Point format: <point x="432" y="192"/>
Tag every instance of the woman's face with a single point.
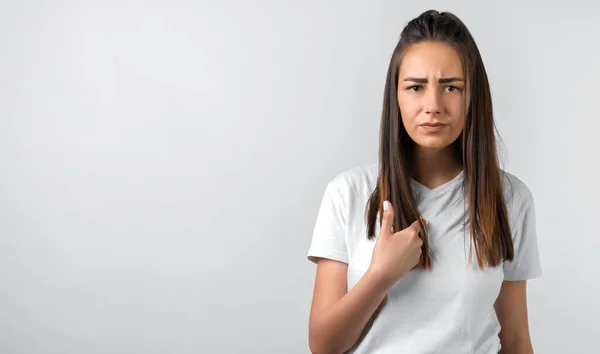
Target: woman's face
<point x="430" y="91"/>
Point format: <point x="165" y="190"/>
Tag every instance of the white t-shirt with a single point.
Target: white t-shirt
<point x="449" y="309"/>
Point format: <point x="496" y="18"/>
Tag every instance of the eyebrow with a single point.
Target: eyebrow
<point x="442" y="80"/>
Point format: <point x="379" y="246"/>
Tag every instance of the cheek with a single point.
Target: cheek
<point x="457" y="128"/>
<point x="458" y="124"/>
<point x="409" y="110"/>
<point x="454" y="105"/>
<point x="456" y="112"/>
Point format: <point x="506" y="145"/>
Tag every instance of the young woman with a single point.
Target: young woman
<point x="429" y="250"/>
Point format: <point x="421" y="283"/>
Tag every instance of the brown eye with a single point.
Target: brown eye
<point x="454" y="88"/>
<point x="414" y="87"/>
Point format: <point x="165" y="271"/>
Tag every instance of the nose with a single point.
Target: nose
<point x="432" y="103"/>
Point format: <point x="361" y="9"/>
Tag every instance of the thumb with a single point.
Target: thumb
<point x="388" y="217"/>
<point x="416" y="226"/>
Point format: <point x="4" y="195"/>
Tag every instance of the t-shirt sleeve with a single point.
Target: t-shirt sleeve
<point x="526" y="263"/>
<point x="328" y="239"/>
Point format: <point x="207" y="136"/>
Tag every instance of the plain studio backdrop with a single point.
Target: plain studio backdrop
<point x="163" y="162"/>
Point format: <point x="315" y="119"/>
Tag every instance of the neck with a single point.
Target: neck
<point x="434" y="167"/>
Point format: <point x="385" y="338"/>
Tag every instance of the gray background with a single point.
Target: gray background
<point x="163" y="162"/>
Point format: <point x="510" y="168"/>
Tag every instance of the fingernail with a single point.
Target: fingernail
<point x="385" y="205"/>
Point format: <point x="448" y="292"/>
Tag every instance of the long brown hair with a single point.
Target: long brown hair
<point x="476" y="146"/>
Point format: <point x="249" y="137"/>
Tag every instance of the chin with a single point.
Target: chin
<point x="433" y="143"/>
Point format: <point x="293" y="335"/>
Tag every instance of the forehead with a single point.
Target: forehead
<point x="430" y="59"/>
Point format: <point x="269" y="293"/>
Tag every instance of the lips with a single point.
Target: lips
<point x="433" y="124"/>
<point x="433" y="127"/>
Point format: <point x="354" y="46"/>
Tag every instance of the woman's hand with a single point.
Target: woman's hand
<point x="395" y="254"/>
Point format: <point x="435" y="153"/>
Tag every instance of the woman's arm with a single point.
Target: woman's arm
<point x="511" y="310"/>
<point x="338" y="317"/>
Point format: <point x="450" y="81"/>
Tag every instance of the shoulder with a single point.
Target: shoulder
<point x="358" y="179"/>
<point x="517" y="194"/>
<point x="352" y="187"/>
